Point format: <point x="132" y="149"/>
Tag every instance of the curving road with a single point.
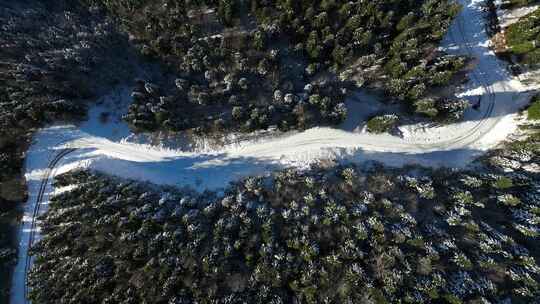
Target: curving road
<point x="452" y="145"/>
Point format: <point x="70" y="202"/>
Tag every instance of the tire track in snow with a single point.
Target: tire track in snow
<point x="35" y="214"/>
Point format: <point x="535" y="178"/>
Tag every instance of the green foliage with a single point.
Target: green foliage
<point x="533" y="112"/>
<point x="226" y="9"/>
<point x="381" y="124"/>
<point x="509" y="200"/>
<point x="523" y="38"/>
<point x="209" y="41"/>
<point x="427" y="107"/>
<point x="452" y="299"/>
<point x="503" y="183"/>
<point x="51" y="61"/>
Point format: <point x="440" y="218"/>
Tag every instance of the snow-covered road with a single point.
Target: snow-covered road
<point x="101" y="143"/>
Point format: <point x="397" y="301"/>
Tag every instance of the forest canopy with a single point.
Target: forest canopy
<point x="248" y="65"/>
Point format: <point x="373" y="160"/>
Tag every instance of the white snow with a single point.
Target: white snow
<point x="104" y="144"/>
<point x="508" y="17"/>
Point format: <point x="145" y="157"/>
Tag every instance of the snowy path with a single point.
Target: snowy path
<point x="100" y="144"/>
<point x="33" y="232"/>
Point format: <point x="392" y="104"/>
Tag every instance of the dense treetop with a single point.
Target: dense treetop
<point x="52" y="57"/>
<point x="523" y="39"/>
<point x="247" y="65"/>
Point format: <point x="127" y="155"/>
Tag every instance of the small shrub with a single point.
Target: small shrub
<point x="383" y="123"/>
<point x="533" y="112"/>
<point x="503" y="183"/>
